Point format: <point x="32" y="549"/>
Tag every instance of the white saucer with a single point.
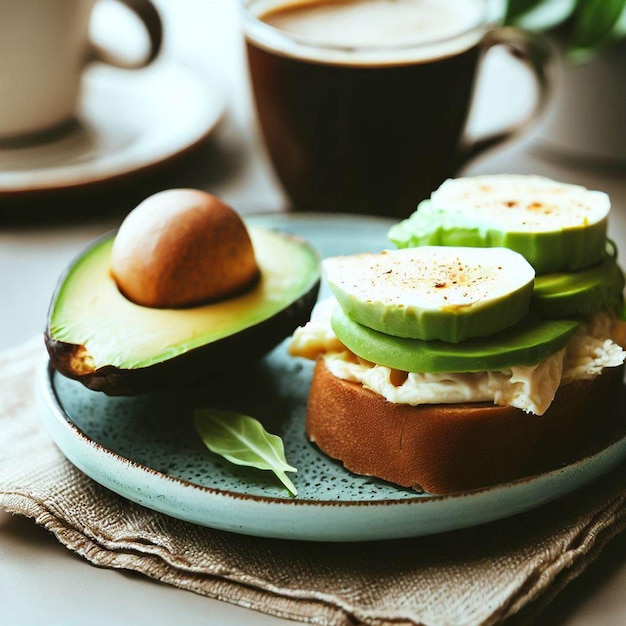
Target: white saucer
<point x="128" y="121"/>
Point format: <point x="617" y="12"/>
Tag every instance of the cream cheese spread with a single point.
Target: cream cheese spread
<point x="530" y="388"/>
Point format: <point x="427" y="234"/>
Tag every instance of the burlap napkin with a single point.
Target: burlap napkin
<point x="477" y="576"/>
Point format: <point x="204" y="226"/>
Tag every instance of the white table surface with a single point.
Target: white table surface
<point x="40" y="578"/>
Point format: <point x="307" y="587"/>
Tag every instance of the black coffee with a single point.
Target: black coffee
<point x="355" y="127"/>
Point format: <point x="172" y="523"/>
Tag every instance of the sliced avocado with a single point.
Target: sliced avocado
<point x="553" y="250"/>
<point x="528" y="343"/>
<point x="599" y="288"/>
<point x="433" y="292"/>
<point x="96" y="335"/>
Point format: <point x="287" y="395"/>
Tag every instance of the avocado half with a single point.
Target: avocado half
<point x="97" y="336"/>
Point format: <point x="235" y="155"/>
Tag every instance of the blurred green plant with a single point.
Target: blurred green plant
<point x="585" y="27"/>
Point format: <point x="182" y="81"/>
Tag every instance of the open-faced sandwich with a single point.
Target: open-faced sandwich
<point x="484" y="350"/>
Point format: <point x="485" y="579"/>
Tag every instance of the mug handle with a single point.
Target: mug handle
<point x="536" y="52"/>
<point x="149" y="16"/>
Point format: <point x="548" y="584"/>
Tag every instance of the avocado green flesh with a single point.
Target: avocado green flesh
<point x="454" y="324"/>
<point x="526" y="344"/>
<point x="598" y="288"/>
<point x="569" y="249"/>
<point x="89" y="309"/>
<point x="450" y="294"/>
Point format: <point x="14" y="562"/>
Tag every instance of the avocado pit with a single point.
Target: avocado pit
<point x="182" y="247"/>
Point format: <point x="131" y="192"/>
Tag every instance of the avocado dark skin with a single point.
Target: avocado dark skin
<point x="229" y="354"/>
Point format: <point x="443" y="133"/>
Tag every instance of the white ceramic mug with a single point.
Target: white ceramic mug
<point x="44" y="48"/>
<point x="585" y="121"/>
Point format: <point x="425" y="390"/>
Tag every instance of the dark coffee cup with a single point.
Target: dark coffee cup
<point x="368" y="115"/>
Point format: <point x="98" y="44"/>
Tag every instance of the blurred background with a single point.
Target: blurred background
<point x="188" y="120"/>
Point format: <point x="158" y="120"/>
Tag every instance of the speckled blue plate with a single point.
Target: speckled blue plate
<point x="145" y="448"/>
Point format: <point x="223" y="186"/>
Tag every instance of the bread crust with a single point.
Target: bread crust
<point x="451" y="447"/>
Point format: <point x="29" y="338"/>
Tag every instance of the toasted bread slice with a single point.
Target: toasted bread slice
<point x="447" y="448"/>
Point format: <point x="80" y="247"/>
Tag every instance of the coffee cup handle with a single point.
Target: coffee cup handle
<point x="536" y="52"/>
<point x="149" y="16"/>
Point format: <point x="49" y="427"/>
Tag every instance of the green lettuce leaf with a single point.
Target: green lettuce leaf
<point x="242" y="440"/>
<point x="595" y="20"/>
<point x="517" y="8"/>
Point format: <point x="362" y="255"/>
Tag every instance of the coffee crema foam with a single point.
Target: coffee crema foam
<point x="366" y="32"/>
